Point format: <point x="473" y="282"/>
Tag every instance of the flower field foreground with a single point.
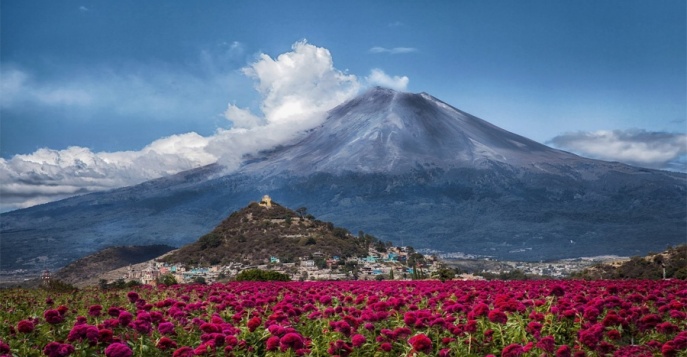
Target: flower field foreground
<point x="414" y="318"/>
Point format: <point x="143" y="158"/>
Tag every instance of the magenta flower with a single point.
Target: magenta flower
<point x="118" y="350"/>
<point x="563" y="351"/>
<point x="343" y="327"/>
<point x="4" y="348"/>
<point x="648" y="322"/>
<point x="143" y="327"/>
<point x="184" y="351"/>
<point x="421" y="343"/>
<point x="339" y="348"/>
<point x="547" y="344"/>
<point x="94" y="310"/>
<point x="512" y="350"/>
<point x="105" y="335"/>
<point x="591" y="336"/>
<point x="557" y="291"/>
<point x="254" y="323"/>
<point x="498" y="316"/>
<point x="132" y="296"/>
<point x="113" y="311"/>
<point x="445" y="352"/>
<point x="481" y="309"/>
<point x="125" y="318"/>
<point x="25" y="326"/>
<point x="53" y="317"/>
<point x="84" y="332"/>
<point x="56" y="349"/>
<point x="166" y="328"/>
<point x="358" y="340"/>
<point x="272" y="343"/>
<point x="325" y="300"/>
<point x="292" y="341"/>
<point x="166" y="343"/>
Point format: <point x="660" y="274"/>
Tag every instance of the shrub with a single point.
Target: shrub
<point x="261" y="275"/>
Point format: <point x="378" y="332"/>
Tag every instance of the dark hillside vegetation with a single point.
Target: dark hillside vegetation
<point x="673" y="260"/>
<point x="255" y="233"/>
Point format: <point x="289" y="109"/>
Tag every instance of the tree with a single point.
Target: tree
<point x="167" y="279"/>
<point x="320" y="263"/>
<point x="446" y="274"/>
<point x="132" y="283"/>
<point x="659" y="261"/>
<point x="200" y="280"/>
<point x="261" y="275"/>
<point x="302" y="211"/>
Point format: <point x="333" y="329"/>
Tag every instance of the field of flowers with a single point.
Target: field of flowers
<point x="416" y="318"/>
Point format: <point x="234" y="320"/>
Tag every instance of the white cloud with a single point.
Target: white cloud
<point x="299" y="83"/>
<point x="392" y="51"/>
<point x="377" y="77"/>
<point x="47" y="174"/>
<point x="296" y="88"/>
<point x="659" y="150"/>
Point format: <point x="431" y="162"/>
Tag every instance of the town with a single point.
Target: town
<point x="389" y="265"/>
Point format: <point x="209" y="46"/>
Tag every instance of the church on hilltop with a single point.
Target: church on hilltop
<point x="266" y="201"/>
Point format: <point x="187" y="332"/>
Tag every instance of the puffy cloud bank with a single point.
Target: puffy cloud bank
<point x="658" y="150"/>
<point x="47" y="175"/>
<point x="296" y="90"/>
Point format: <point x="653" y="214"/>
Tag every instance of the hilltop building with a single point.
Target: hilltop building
<point x="266" y="201"/>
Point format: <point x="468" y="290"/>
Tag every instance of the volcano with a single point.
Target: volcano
<point x="404" y="167"/>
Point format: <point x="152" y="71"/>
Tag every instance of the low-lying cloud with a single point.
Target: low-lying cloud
<point x="296" y="89"/>
<point x="657" y="150"/>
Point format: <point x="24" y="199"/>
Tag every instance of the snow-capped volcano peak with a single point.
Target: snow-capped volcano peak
<point x="384" y="130"/>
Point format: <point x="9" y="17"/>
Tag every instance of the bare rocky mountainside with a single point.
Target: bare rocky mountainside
<point x="407" y="168"/>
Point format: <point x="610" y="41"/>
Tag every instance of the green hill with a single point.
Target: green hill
<point x="673" y="260"/>
<point x="256" y="233"/>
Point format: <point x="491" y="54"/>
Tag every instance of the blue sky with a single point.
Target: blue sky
<point x="93" y="90"/>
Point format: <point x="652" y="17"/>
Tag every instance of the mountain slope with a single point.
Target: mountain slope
<point x="390" y="132"/>
<point x="92" y="266"/>
<point x="404" y="167"/>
